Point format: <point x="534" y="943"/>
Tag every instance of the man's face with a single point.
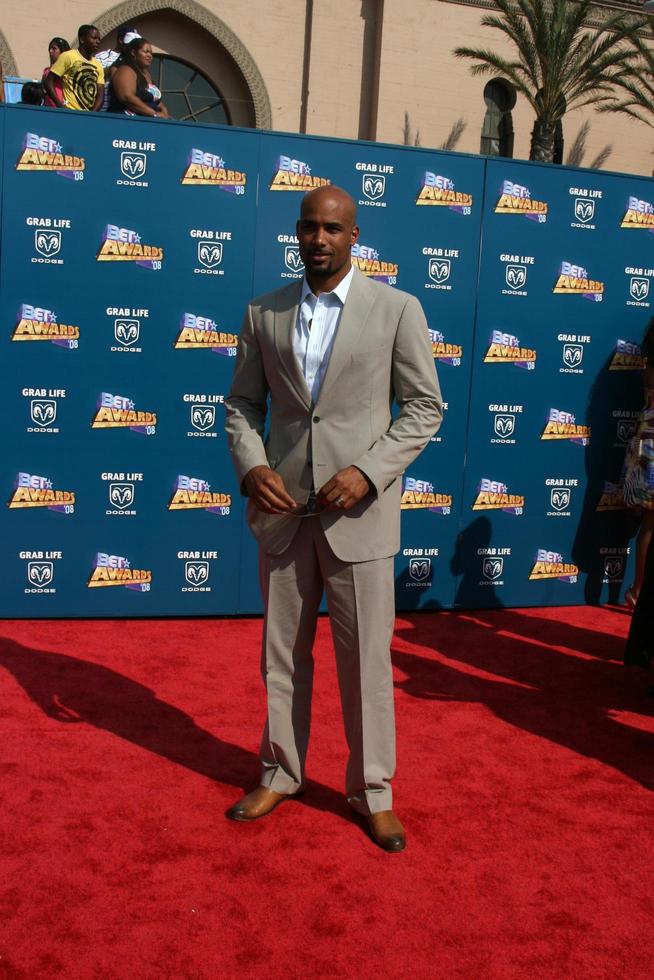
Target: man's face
<point x="326" y="233"/>
<point x="91" y="41"/>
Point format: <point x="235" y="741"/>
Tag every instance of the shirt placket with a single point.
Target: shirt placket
<point x="314" y="346"/>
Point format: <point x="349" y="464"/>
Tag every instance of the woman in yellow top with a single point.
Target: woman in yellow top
<point x="638" y="473"/>
<point x="82" y="75"/>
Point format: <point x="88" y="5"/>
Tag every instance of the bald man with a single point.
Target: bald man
<point x="323" y="361"/>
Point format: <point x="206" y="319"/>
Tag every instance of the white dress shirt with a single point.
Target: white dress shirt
<point x="315" y="330"/>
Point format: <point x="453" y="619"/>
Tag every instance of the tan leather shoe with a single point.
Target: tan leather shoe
<point x="387" y="831"/>
<point x="258" y="803"/>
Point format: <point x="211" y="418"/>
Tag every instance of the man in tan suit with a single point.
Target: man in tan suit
<point x="331" y="354"/>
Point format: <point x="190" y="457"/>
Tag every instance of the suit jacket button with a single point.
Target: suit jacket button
<point x="316" y="418"/>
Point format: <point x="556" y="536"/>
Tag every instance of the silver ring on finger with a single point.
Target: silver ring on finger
<point x="339" y="501"/>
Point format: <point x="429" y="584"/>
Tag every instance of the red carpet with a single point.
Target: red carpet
<point x="525" y="784"/>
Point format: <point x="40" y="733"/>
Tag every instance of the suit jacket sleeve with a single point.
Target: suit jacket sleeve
<point x="417" y="393"/>
<point x="246" y="403"/>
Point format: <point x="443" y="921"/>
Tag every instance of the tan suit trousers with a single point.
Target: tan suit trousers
<point x="360" y="601"/>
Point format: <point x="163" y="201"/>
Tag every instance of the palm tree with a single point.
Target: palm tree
<point x="636" y="96"/>
<point x="561" y="62"/>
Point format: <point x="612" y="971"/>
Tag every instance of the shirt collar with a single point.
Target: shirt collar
<point x="340" y="291"/>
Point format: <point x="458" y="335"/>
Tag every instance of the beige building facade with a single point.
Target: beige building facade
<point x="363" y="69"/>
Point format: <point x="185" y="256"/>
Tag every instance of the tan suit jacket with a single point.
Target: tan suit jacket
<point x="381" y="354"/>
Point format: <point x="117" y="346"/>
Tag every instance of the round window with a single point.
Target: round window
<point x="187" y="93"/>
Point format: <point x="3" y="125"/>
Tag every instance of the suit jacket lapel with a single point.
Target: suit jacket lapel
<point x="285" y="321"/>
<point x="353" y="318"/>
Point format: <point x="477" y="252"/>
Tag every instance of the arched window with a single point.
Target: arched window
<point x="497" y="131"/>
<point x="187" y="93"/>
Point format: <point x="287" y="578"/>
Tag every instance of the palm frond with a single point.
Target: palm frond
<point x="561" y="61"/>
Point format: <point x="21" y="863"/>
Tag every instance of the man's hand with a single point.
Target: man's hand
<point x="345" y="489"/>
<point x="266" y="490"/>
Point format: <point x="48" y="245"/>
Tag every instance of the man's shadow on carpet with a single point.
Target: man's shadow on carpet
<point x="585" y="700"/>
<point x="71" y="690"/>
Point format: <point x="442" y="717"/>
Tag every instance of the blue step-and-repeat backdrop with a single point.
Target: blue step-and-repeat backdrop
<point x="129" y="250"/>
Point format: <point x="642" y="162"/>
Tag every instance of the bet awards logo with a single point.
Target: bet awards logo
<point x="439" y="191"/>
<point x="627" y="356"/>
<point x="492" y="495"/>
<point x="584" y="207"/>
<point x="550" y="565"/>
<point x="197" y="569"/>
<point x="209" y="170"/>
<point x="36" y="323"/>
<point x="111" y="570"/>
<point x="133" y="162"/>
<point x="192" y="493"/>
<point x="119" y="412"/>
<point x="121" y="493"/>
<point x="444" y="352"/>
<point x="422" y="495"/>
<point x="516" y="199"/>
<point x="295" y="175"/>
<point x="125" y="245"/>
<point x="202" y="333"/>
<point x="41" y="153"/>
<point x="639" y="214"/>
<point x="611" y="497"/>
<point x="505" y="348"/>
<point x="48" y="239"/>
<point x="32" y="491"/>
<point x="573" y="280"/>
<point x="40" y="571"/>
<point x="373" y="183"/>
<point x="563" y="425"/>
<point x="367" y="261"/>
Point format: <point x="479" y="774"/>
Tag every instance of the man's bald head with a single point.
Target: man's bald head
<point x="333" y="197"/>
